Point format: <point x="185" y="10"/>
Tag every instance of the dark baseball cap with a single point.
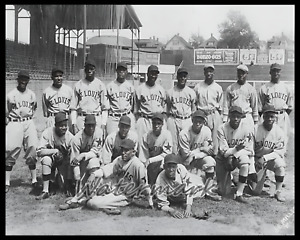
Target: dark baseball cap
<point x="125" y="120"/>
<point x="153" y="68"/>
<point x="121" y="65"/>
<point x="199" y="113"/>
<point x="158" y="115"/>
<point x="55" y="70"/>
<point x="23" y="74"/>
<point x="90" y="119"/>
<point x="172" y="158"/>
<point x="209" y="65"/>
<point x="182" y="70"/>
<point x="127" y="144"/>
<point x="236" y="109"/>
<point x="60" y="117"/>
<point x="275" y="66"/>
<point x="90" y="62"/>
<point x="269" y="108"/>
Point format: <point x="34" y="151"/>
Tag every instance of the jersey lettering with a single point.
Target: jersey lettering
<point x="90" y="93"/>
<point x="126" y="95"/>
<point x="279" y="95"/>
<point x="153" y="97"/>
<point x="60" y="100"/>
<point x="24" y="104"/>
<point x="235" y="142"/>
<point x="269" y="144"/>
<point x="181" y="100"/>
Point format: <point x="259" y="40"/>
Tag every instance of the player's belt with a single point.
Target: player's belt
<point x="54" y="114"/>
<point x="180" y="117"/>
<point x="19" y="119"/>
<point x="119" y="114"/>
<point x="84" y="114"/>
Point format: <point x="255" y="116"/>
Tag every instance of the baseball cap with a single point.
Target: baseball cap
<point x="199" y="113"/>
<point x="23" y="74"/>
<point x="243" y="67"/>
<point x="153" y="68"/>
<point x="275" y="66"/>
<point x="125" y="120"/>
<point x="60" y="117"/>
<point x="172" y="158"/>
<point x="122" y="64"/>
<point x="127" y="144"/>
<point x="269" y="108"/>
<point x="236" y="109"/>
<point x="158" y="115"/>
<point x="209" y="66"/>
<point x="90" y="119"/>
<point x="90" y="62"/>
<point x="54" y="70"/>
<point x="182" y="70"/>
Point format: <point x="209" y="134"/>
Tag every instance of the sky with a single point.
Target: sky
<point x="164" y="21"/>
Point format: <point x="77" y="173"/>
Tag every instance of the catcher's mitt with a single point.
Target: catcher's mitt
<point x="58" y="158"/>
<point x="231" y="163"/>
<point x="201" y="216"/>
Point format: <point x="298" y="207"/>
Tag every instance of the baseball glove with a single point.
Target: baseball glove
<point x="58" y="158"/>
<point x="201" y="216"/>
<point x="231" y="163"/>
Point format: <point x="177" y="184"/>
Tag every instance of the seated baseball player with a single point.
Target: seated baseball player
<point x="111" y="147"/>
<point x="114" y="184"/>
<point x="54" y="151"/>
<point x="270" y="148"/>
<point x="175" y="184"/>
<point x="86" y="151"/>
<point x="196" y="148"/>
<point x="235" y="150"/>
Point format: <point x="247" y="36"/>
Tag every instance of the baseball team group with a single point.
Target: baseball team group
<point x="108" y="145"/>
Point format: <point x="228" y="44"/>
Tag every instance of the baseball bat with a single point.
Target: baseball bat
<point x="261" y="176"/>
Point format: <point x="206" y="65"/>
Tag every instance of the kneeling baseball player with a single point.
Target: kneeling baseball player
<point x="114" y="184"/>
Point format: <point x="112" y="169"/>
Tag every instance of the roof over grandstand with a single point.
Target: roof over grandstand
<point x="97" y="16"/>
<point x="112" y="41"/>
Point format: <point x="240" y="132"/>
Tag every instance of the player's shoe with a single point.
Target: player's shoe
<point x="34" y="185"/>
<point x="6" y="188"/>
<point x="240" y="199"/>
<point x="69" y="205"/>
<point x="213" y="197"/>
<point x="278" y="197"/>
<point x="111" y="211"/>
<point x="43" y="195"/>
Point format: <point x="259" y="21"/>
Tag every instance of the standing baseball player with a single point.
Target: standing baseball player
<point x="150" y="98"/>
<point x="54" y="150"/>
<point x="89" y="97"/>
<point x="278" y="94"/>
<point x="270" y="148"/>
<point x="20" y="129"/>
<point x="243" y="95"/>
<point x="120" y="94"/>
<point x="155" y="145"/>
<point x="195" y="148"/>
<point x="112" y="143"/>
<point x="209" y="95"/>
<point x="56" y="98"/>
<point x="86" y="150"/>
<point x="235" y="150"/>
<point x="180" y="106"/>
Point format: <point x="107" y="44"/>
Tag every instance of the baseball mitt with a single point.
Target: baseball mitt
<point x="58" y="158"/>
<point x="201" y="216"/>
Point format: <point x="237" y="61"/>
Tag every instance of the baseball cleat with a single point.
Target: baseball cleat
<point x="34" y="185"/>
<point x="279" y="197"/>
<point x="240" y="199"/>
<point x="6" y="188"/>
<point x="67" y="206"/>
<point x="213" y="197"/>
<point x="43" y="195"/>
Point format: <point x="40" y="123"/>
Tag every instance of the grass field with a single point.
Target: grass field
<point x="262" y="216"/>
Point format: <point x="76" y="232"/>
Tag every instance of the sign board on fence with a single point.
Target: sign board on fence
<point x="276" y="56"/>
<point x="215" y="56"/>
<point x="290" y="56"/>
<point x="248" y="55"/>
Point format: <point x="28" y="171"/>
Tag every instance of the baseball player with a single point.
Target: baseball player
<point x="112" y="143"/>
<point x="155" y="145"/>
<point x="56" y="98"/>
<point x="175" y="185"/>
<point x="180" y="106"/>
<point x="54" y="150"/>
<point x="279" y="95"/>
<point x="243" y="95"/>
<point x="114" y="184"/>
<point x="150" y="98"/>
<point x="209" y="99"/>
<point x="236" y="150"/>
<point x="270" y="147"/>
<point x="89" y="97"/>
<point x="86" y="151"/>
<point x="120" y="94"/>
<point x="195" y="148"/>
<point x="20" y="129"/>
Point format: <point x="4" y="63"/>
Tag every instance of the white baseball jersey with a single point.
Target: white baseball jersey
<point x="111" y="147"/>
<point x="269" y="141"/>
<point x="89" y="97"/>
<point x="209" y="97"/>
<point x="85" y="143"/>
<point x="155" y="146"/>
<point x="55" y="99"/>
<point x="243" y="96"/>
<point x="189" y="140"/>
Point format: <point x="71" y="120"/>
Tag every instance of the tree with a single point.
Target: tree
<point x="236" y="32"/>
<point x="195" y="40"/>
